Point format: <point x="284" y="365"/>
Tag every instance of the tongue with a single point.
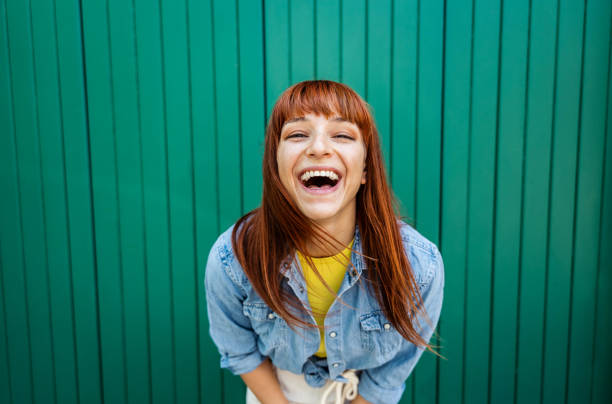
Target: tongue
<point x="326" y="186"/>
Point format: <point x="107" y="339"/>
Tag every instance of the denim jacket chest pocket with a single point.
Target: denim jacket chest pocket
<point x="378" y="334"/>
<point x="270" y="328"/>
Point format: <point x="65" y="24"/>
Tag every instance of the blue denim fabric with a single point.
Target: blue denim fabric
<point x="246" y="331"/>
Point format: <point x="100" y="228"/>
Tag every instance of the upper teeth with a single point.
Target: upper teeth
<point x="309" y="174"/>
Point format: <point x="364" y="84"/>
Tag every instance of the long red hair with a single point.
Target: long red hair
<point x="263" y="238"/>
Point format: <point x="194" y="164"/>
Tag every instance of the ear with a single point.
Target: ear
<point x="363" y="177"/>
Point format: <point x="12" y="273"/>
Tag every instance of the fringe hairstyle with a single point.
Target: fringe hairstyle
<point x="263" y="238"/>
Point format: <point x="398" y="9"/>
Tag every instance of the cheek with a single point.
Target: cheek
<point x="358" y="163"/>
<point x="283" y="162"/>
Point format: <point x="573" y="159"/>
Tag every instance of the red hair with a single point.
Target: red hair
<point x="263" y="238"/>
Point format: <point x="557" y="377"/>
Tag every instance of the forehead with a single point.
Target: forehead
<point x="311" y="117"/>
<point x="305" y="118"/>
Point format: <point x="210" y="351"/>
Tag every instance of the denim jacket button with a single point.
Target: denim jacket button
<point x="333" y="334"/>
<point x="271" y="316"/>
<point x="387" y="326"/>
<point x="335" y="365"/>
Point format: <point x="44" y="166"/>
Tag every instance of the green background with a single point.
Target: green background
<point x="132" y="135"/>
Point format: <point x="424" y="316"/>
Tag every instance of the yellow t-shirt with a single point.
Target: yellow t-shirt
<point x="332" y="269"/>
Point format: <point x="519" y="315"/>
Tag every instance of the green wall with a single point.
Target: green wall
<point x="131" y="135"/>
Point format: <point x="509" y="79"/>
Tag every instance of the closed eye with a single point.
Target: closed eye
<point x="342" y="135"/>
<point x="295" y="135"/>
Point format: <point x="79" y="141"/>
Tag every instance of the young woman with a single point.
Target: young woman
<point x="322" y="295"/>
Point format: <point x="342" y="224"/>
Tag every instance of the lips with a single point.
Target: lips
<point x="320" y="180"/>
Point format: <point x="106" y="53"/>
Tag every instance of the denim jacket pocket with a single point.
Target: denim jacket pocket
<point x="269" y="327"/>
<point x="378" y="334"/>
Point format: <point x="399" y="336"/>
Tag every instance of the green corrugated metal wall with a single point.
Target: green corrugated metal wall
<point x="131" y="136"/>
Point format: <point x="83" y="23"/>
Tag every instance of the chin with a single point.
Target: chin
<point x="319" y="214"/>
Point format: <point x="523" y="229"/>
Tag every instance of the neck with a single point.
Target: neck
<point x="342" y="230"/>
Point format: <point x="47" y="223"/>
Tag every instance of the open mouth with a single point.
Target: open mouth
<point x="319" y="181"/>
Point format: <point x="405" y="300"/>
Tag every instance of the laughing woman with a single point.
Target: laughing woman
<point x="322" y="294"/>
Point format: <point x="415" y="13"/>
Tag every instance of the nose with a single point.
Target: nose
<point x="319" y="146"/>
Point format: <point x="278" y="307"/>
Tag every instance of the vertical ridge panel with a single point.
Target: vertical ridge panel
<point x="378" y="90"/>
<point x="563" y="174"/>
<point x="512" y="98"/>
<point x="327" y="40"/>
<point x="429" y="118"/>
<point x="5" y="374"/>
<point x="454" y="193"/>
<point x="228" y="140"/>
<point x="79" y="204"/>
<point x="176" y="58"/>
<point x="353" y="44"/>
<point x="277" y="49"/>
<point x="251" y="101"/>
<point x="590" y="171"/>
<point x="602" y="352"/>
<point x="205" y="178"/>
<point x="487" y="19"/>
<point x="14" y="292"/>
<point x="54" y="202"/>
<point x="130" y="198"/>
<point x="535" y="206"/>
<point x="302" y="41"/>
<point x="148" y="26"/>
<point x="105" y="198"/>
<point x="226" y="48"/>
<point x="403" y="116"/>
<point x="27" y="143"/>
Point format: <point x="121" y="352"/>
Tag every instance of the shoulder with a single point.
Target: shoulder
<point x="222" y="259"/>
<point x="424" y="256"/>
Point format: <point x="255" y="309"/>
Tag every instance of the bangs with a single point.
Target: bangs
<point x="322" y="97"/>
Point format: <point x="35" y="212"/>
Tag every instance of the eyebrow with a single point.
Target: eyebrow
<point x="302" y="118"/>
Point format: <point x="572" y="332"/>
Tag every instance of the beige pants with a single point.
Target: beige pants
<point x="298" y="391"/>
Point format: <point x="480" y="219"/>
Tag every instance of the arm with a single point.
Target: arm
<point x="386" y="383"/>
<point x="231" y="330"/>
<point x="263" y="383"/>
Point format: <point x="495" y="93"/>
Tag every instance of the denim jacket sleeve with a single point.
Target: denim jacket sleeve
<point x="230" y="329"/>
<point x="386" y="383"/>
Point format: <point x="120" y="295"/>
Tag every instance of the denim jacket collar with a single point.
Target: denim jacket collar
<point x="290" y="267"/>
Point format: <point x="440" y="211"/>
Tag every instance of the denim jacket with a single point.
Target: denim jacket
<point x="358" y="336"/>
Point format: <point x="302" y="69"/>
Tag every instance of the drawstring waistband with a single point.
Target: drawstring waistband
<point x="343" y="391"/>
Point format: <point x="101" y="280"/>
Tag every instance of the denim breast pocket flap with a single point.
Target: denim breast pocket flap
<point x="378" y="334"/>
<point x="270" y="328"/>
<point x="370" y="322"/>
